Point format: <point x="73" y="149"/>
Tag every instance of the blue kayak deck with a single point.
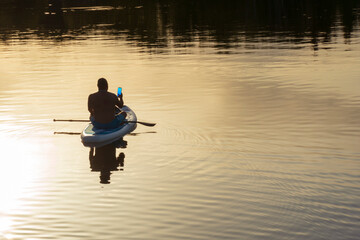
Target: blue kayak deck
<point x="90" y="129"/>
<point x="92" y="137"/>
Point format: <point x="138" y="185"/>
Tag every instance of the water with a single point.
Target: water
<point x="257" y="112"/>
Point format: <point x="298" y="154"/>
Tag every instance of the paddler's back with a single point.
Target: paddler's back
<point x="102" y="106"/>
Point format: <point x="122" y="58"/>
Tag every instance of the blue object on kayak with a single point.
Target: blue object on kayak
<point x="118" y="120"/>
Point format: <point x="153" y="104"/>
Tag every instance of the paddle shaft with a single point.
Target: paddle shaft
<point x="70" y="120"/>
<point x="78" y="120"/>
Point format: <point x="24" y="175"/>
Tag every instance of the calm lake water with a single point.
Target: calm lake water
<point x="257" y="105"/>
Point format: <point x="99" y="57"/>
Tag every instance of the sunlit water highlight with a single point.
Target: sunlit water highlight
<point x="260" y="142"/>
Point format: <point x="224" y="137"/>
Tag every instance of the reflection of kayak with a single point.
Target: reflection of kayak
<point x="92" y="137"/>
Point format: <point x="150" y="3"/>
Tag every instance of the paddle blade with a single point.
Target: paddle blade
<point x="144" y="123"/>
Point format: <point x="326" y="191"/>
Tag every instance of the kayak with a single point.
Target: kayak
<point x="93" y="137"/>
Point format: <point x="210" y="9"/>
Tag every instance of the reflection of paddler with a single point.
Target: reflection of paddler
<point x="104" y="160"/>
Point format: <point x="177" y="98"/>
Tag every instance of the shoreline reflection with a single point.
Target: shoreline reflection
<point x="166" y="24"/>
<point x="104" y="160"/>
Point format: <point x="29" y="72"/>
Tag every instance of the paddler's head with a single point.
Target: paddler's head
<point x="102" y="84"/>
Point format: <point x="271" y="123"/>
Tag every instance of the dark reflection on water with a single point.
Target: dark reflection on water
<point x="104" y="160"/>
<point x="167" y="23"/>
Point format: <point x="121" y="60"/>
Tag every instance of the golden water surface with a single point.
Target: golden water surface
<point x="257" y="133"/>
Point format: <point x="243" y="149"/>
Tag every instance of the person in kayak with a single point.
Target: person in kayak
<point x="103" y="105"/>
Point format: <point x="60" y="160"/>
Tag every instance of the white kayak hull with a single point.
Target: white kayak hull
<point x="91" y="137"/>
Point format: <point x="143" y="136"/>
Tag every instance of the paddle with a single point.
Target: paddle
<point x="77" y="120"/>
<point x="77" y="133"/>
<point x="68" y="133"/>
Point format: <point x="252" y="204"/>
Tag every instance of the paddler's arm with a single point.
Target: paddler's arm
<point x="120" y="101"/>
<point x="90" y="105"/>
